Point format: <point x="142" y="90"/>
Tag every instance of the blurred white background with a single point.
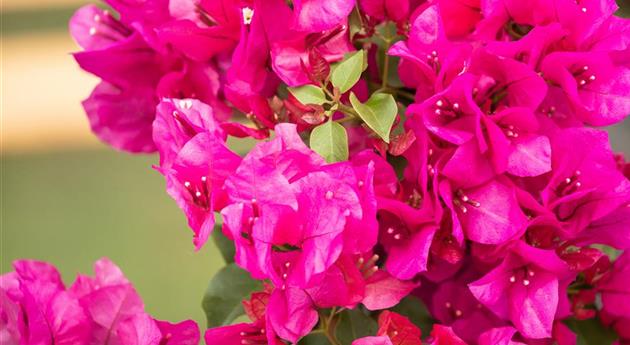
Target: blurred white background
<point x="41" y="85"/>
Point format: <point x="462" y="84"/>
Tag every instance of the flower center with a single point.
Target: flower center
<point x="462" y="201"/>
<point x="522" y="276"/>
<point x="367" y="268"/>
<point x="248" y="15"/>
<point x="583" y="76"/>
<point x="184" y="125"/>
<point x="104" y="25"/>
<point x="455" y="312"/>
<point x="393" y="231"/>
<point x="570" y="184"/>
<point x="550" y="112"/>
<point x="199" y="192"/>
<point x="256" y="337"/>
<point x="415" y="198"/>
<point x="541" y="236"/>
<point x="247" y="228"/>
<point x="510" y="131"/>
<point x="444" y="107"/>
<point x="284" y="269"/>
<point x="433" y="60"/>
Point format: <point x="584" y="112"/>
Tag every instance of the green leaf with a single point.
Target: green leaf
<point x="399" y="163"/>
<point x="330" y="140"/>
<point x="387" y="31"/>
<point x="354" y="23"/>
<point x="227" y="289"/>
<point x="416" y="311"/>
<point x="348" y="72"/>
<point x="308" y="94"/>
<point x="354" y="324"/>
<point x="225" y="246"/>
<point x="314" y="339"/>
<point x="591" y="332"/>
<point x="379" y="112"/>
<point x="612" y="253"/>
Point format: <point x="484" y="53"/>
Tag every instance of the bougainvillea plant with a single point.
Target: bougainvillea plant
<point x="425" y="172"/>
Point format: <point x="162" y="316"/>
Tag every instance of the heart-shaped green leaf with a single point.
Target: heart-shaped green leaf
<point x="379" y="112"/>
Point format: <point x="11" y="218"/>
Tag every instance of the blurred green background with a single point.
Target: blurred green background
<point x="68" y="199"/>
<point x="73" y="207"/>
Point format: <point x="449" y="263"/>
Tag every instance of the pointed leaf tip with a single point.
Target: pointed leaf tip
<point x="347" y="73"/>
<point x="330" y="140"/>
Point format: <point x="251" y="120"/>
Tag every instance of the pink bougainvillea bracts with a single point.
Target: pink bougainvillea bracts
<point x="37" y="308"/>
<point x="433" y="165"/>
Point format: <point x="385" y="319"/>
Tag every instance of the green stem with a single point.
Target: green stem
<point x="345" y="119"/>
<point x="356" y="5"/>
<point x="385" y="67"/>
<point x="331" y="316"/>
<point x="329" y="331"/>
<point x="394" y="91"/>
<point x="331" y="339"/>
<point x="388" y="43"/>
<point x="327" y="92"/>
<point x="347" y="110"/>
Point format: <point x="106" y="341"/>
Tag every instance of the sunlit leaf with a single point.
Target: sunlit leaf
<point x="379" y="112"/>
<point x="308" y="94"/>
<point x="348" y="72"/>
<point x="330" y="140"/>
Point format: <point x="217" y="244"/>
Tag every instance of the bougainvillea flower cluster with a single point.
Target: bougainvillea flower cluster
<point x="424" y="172"/>
<point x="37" y="308"/>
